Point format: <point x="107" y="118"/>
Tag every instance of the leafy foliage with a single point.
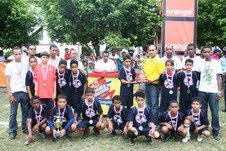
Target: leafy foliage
<point x="212" y="22"/>
<point x="17" y="21"/>
<point x="131" y="21"/>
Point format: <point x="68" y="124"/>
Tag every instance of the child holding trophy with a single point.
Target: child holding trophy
<point x="127" y="76"/>
<point x="61" y="120"/>
<point x="91" y="113"/>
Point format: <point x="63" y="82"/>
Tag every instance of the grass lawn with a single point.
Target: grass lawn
<point x="101" y="143"/>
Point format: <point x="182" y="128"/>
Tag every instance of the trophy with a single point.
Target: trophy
<point x="141" y="78"/>
<point x="57" y="124"/>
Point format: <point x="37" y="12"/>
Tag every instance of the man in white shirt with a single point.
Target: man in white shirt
<point x="31" y="51"/>
<point x="191" y="55"/>
<point x="210" y="88"/>
<point x="53" y="59"/>
<point x="169" y="56"/>
<point x="73" y="56"/>
<point x="15" y="82"/>
<point x="105" y="64"/>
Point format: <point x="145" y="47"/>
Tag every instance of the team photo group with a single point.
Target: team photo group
<point x="171" y="103"/>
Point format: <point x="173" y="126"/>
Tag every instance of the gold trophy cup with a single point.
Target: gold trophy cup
<point x="57" y="124"/>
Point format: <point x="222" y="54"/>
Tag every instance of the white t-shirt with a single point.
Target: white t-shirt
<point x="17" y="73"/>
<point x="177" y="62"/>
<point x="196" y="62"/>
<point x="109" y="65"/>
<point x="2" y="58"/>
<point x="80" y="65"/>
<point x="208" y="78"/>
<point x="54" y="62"/>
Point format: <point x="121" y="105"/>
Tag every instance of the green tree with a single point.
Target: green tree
<point x="17" y="22"/>
<point x="136" y="22"/>
<point x="212" y="23"/>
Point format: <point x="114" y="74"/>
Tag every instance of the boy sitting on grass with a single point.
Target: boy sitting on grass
<point x="116" y="117"/>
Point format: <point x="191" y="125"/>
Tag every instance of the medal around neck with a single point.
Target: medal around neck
<point x="90" y="122"/>
<point x="141" y="128"/>
<point x="171" y="92"/>
<point x="57" y="124"/>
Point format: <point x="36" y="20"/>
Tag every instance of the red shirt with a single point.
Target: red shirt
<point x="66" y="56"/>
<point x="45" y="78"/>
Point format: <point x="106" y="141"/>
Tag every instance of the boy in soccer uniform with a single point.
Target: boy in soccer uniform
<point x="91" y="113"/>
<point x="141" y="120"/>
<point x="196" y="121"/>
<point x="168" y="82"/>
<point x="127" y="77"/>
<point x="117" y="117"/>
<point x="77" y="85"/>
<point x="172" y="122"/>
<point x="30" y="84"/>
<point x="62" y="78"/>
<point x="66" y="118"/>
<point x="45" y="82"/>
<point x="37" y="118"/>
<point x="188" y="82"/>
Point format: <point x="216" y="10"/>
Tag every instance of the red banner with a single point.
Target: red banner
<point x="179" y="23"/>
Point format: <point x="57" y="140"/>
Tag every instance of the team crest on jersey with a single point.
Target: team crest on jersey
<point x="90" y="112"/>
<point x="168" y="84"/>
<point x="117" y="119"/>
<point x="141" y="118"/>
<point x="188" y="81"/>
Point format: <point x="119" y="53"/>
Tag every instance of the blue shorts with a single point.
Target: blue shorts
<point x="86" y="124"/>
<point x="145" y="131"/>
<point x="119" y="127"/>
<point x="48" y="103"/>
<point x="192" y="128"/>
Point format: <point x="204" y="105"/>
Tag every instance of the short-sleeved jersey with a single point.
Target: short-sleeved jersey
<point x="200" y="119"/>
<point x="126" y="89"/>
<point x="117" y="117"/>
<point x="62" y="81"/>
<point x="30" y="82"/>
<point x="168" y="84"/>
<point x="90" y="111"/>
<point x="173" y="121"/>
<point x="65" y="114"/>
<point x="140" y="118"/>
<point x="188" y="81"/>
<point x="76" y="84"/>
<point x="38" y="116"/>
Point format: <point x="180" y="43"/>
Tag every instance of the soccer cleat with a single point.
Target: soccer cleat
<point x="12" y="136"/>
<point x="166" y="138"/>
<point x="42" y="135"/>
<point x="186" y="139"/>
<point x="69" y="134"/>
<point x="85" y="134"/>
<point x="132" y="142"/>
<point x="216" y="137"/>
<point x="200" y="138"/>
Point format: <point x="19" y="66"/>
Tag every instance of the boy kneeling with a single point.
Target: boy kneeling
<point x="37" y="117"/>
<point x="196" y="121"/>
<point x="141" y="121"/>
<point x="91" y="112"/>
<point x="116" y="117"/>
<point x="172" y="122"/>
<point x="64" y="114"/>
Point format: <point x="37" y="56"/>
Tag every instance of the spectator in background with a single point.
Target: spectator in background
<point x="2" y="58"/>
<point x="216" y="54"/>
<point x="92" y="58"/>
<point x="53" y="59"/>
<point x="191" y="55"/>
<point x="169" y="56"/>
<point x="113" y="55"/>
<point x="82" y="57"/>
<point x="223" y="64"/>
<point x="105" y="64"/>
<point x="73" y="56"/>
<point x="31" y="51"/>
<point x="66" y="54"/>
<point x="58" y="53"/>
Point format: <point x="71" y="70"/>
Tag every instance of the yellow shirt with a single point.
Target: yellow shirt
<point x="153" y="68"/>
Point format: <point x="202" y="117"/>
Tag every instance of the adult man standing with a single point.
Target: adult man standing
<point x="169" y="56"/>
<point x="105" y="64"/>
<point x="191" y="55"/>
<point x="223" y="64"/>
<point x="31" y="51"/>
<point x="210" y="89"/>
<point x="53" y="59"/>
<point x="153" y="68"/>
<point x="15" y="82"/>
<point x="73" y="56"/>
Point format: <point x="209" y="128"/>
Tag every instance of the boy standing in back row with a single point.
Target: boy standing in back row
<point x="45" y="82"/>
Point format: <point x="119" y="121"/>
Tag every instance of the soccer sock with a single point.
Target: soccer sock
<point x="188" y="130"/>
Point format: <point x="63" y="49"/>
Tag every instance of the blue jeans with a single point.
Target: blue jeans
<point x="211" y="98"/>
<point x="152" y="99"/>
<point x="22" y="98"/>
